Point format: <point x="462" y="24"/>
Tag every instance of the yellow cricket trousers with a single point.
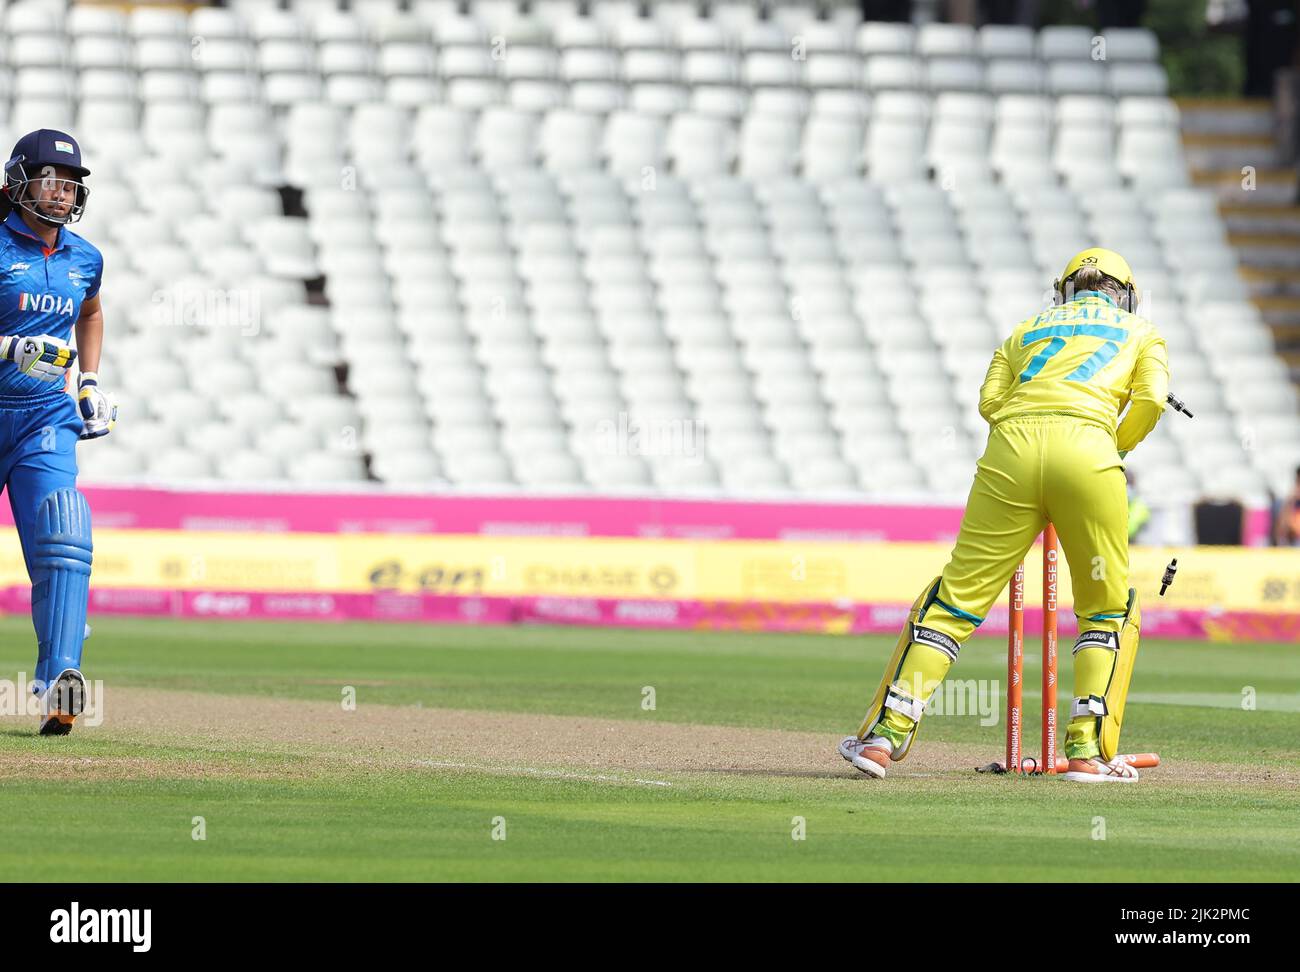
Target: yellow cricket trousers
<point x="1039" y="469"/>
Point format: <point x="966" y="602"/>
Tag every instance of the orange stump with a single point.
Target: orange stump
<point x="1048" y="761"/>
<point x="1015" y="668"/>
<point x="1050" y="555"/>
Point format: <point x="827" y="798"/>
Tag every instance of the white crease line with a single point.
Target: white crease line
<point x="534" y="771"/>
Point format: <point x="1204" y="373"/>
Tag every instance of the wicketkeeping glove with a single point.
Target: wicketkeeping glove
<point x="43" y="357"/>
<point x="98" y="410"/>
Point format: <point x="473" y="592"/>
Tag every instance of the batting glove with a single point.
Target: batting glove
<point x="98" y="410"/>
<point x="43" y="357"/>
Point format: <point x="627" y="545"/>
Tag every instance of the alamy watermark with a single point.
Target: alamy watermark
<point x="626" y="435"/>
<point x="961" y="697"/>
<point x="179" y="306"/>
<point x="23" y="698"/>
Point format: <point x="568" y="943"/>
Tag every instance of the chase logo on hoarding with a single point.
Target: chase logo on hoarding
<point x="662" y="578"/>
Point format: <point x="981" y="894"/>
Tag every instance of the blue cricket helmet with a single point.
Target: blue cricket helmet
<point x="32" y="161"/>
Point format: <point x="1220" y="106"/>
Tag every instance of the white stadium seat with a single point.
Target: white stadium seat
<point x="886" y="38"/>
<point x="1066" y="43"/>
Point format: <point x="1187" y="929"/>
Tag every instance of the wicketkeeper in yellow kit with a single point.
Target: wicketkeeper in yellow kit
<point x="1052" y="397"/>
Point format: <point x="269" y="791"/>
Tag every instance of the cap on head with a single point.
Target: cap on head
<point x="1107" y="261"/>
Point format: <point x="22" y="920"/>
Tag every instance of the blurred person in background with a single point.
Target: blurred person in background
<point x="1271" y="38"/>
<point x="1139" y="514"/>
<point x="1286" y="530"/>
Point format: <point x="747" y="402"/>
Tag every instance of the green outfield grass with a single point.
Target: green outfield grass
<point x="280" y="810"/>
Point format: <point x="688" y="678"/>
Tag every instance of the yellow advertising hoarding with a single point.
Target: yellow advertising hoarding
<point x="1226" y="578"/>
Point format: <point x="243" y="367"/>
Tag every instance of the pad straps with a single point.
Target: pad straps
<point x="1096" y="639"/>
<point x="1093" y="705"/>
<point x="922" y="635"/>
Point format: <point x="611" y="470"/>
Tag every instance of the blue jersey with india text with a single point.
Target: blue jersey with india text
<point x="41" y="292"/>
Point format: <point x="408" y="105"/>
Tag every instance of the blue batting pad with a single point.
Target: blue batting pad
<point x="60" y="581"/>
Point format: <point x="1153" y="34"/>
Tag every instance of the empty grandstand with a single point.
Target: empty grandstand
<point x="457" y="246"/>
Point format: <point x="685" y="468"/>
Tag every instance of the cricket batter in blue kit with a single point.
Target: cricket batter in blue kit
<point x="49" y="289"/>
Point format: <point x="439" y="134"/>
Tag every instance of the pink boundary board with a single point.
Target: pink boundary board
<point x="666" y="614"/>
<point x="145" y="508"/>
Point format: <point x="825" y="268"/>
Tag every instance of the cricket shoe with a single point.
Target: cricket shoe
<point x="62" y="702"/>
<point x="1097" y="770"/>
<point x="871" y="755"/>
